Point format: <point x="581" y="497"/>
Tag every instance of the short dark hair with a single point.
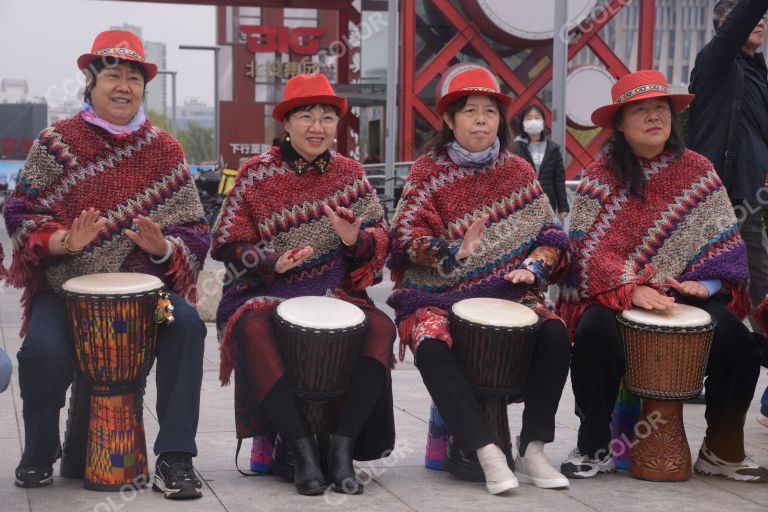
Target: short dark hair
<point x="625" y="165"/>
<point x="721" y="10"/>
<point x="521" y="117"/>
<point x="98" y="65"/>
<point x="444" y="135"/>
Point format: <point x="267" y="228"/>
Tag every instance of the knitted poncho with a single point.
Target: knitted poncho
<point x="74" y="166"/>
<point x="440" y="201"/>
<point x="272" y="209"/>
<point x="685" y="228"/>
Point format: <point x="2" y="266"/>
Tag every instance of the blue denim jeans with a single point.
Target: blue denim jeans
<point x="6" y="367"/>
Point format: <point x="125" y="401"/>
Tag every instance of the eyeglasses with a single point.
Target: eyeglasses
<point x="307" y="120"/>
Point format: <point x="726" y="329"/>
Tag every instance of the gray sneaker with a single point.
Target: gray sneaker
<point x="578" y="465"/>
<point x="743" y="471"/>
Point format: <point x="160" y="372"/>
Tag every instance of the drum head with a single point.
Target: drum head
<point x="115" y="283"/>
<point x="320" y="313"/>
<point x="495" y="312"/>
<point x="680" y="316"/>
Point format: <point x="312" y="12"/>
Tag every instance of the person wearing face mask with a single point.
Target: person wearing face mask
<point x="106" y="191"/>
<point x="313" y="225"/>
<point x="473" y="221"/>
<point x="533" y="144"/>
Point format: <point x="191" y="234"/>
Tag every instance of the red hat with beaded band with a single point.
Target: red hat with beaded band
<point x="472" y="81"/>
<point x="637" y="86"/>
<point x="118" y="44"/>
<point x="308" y="89"/>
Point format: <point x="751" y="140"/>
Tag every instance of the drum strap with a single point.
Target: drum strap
<point x="237" y="456"/>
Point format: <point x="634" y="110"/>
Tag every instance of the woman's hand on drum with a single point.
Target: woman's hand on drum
<point x="292" y="258"/>
<point x="84" y="229"/>
<point x="473" y="237"/>
<point x="149" y="237"/>
<point x="690" y="288"/>
<point x="344" y="222"/>
<point x="520" y="276"/>
<point x="649" y="298"/>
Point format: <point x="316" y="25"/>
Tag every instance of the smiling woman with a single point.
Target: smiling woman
<point x="115" y="89"/>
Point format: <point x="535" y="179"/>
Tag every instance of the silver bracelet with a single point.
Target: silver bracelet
<point x="168" y="252"/>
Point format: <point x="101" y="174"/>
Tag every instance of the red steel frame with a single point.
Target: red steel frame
<point x="413" y="81"/>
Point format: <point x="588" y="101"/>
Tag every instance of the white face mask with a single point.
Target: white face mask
<point x="533" y="126"/>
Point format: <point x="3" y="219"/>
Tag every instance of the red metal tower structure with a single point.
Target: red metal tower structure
<point x="469" y="37"/>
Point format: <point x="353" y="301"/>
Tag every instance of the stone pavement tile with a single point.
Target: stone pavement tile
<point x="11" y="455"/>
<point x="756" y="493"/>
<point x="427" y="490"/>
<point x="12" y="498"/>
<point x="9" y="422"/>
<point x="268" y="493"/>
<point x="621" y="491"/>
<point x="216" y="452"/>
<point x="68" y="495"/>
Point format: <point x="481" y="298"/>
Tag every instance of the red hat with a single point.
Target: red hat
<point x="637" y="86"/>
<point x="308" y="89"/>
<point x="119" y="44"/>
<point x="472" y="81"/>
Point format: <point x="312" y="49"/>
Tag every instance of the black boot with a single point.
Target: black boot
<point x="340" y="464"/>
<point x="308" y="477"/>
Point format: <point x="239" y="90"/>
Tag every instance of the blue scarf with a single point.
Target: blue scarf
<point x="464" y="158"/>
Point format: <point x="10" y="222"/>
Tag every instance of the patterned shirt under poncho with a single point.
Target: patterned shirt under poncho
<point x="683" y="227"/>
<point x="74" y="166"/>
<point x="439" y="203"/>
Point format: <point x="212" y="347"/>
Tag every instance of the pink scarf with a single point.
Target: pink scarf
<point x="115" y="129"/>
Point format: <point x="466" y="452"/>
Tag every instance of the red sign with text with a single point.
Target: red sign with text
<point x="265" y="39"/>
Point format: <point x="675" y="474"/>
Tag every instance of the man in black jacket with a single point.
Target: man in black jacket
<point x="730" y="81"/>
<point x="730" y="58"/>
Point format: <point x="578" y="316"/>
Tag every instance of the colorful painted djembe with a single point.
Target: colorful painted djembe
<point x="666" y="356"/>
<point x="319" y="339"/>
<point x="493" y="340"/>
<point x="113" y="322"/>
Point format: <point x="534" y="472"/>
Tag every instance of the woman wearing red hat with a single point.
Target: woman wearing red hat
<point x="105" y="191"/>
<point x="313" y="225"/>
<point x="473" y="221"/>
<point x="651" y="225"/>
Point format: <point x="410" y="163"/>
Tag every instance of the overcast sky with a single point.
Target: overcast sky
<point x="40" y="41"/>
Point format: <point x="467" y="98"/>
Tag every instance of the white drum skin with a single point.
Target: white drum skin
<point x="495" y="312"/>
<point x="112" y="283"/>
<point x="681" y="316"/>
<point x="315" y="312"/>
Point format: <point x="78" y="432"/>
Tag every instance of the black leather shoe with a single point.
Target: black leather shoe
<point x="465" y="465"/>
<point x="340" y="462"/>
<point x="308" y="477"/>
<point x="282" y="464"/>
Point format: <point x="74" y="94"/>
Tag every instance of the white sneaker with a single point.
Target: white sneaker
<point x="578" y="465"/>
<point x="498" y="476"/>
<point x="743" y="471"/>
<point x="533" y="468"/>
<point x="762" y="419"/>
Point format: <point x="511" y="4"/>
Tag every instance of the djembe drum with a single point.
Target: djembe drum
<point x="319" y="339"/>
<point x="666" y="356"/>
<point x="113" y="325"/>
<point x="494" y="340"/>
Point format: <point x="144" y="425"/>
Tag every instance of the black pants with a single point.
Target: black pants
<point x="47" y="366"/>
<point x="458" y="405"/>
<point x="597" y="366"/>
<point x="368" y="383"/>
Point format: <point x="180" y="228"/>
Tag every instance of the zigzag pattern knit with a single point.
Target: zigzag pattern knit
<point x="440" y="202"/>
<point x="272" y="209"/>
<point x="685" y="228"/>
<point x="74" y="166"/>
